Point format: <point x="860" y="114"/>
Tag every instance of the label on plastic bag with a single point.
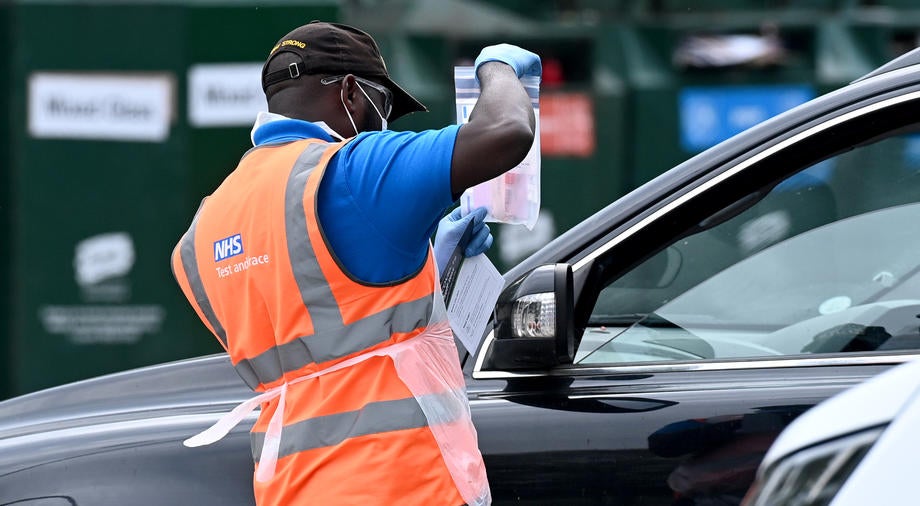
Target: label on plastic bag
<point x="512" y="197"/>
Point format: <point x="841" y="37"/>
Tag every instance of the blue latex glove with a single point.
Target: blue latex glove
<point x="450" y="233"/>
<point x="521" y="60"/>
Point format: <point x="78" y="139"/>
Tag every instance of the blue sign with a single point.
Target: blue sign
<point x="912" y="153"/>
<point x="709" y="115"/>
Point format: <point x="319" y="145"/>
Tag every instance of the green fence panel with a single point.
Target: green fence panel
<point x="94" y="217"/>
<point x="5" y="196"/>
<point x="108" y="171"/>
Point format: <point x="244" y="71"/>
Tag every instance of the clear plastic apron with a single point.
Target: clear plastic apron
<point x="428" y="366"/>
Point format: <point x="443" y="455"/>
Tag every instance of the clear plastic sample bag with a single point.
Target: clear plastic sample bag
<point x="512" y="197"/>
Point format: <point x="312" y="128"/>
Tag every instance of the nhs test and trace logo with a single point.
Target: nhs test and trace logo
<point x="228" y="247"/>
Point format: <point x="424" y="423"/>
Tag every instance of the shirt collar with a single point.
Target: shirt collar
<point x="271" y="128"/>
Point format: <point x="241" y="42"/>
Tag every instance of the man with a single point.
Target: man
<point x="312" y="265"/>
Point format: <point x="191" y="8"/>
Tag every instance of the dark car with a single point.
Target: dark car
<point x="648" y="356"/>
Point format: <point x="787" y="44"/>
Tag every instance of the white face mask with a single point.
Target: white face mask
<point x="383" y="121"/>
<point x="328" y="129"/>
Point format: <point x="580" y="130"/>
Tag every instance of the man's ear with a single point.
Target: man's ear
<point x="350" y="93"/>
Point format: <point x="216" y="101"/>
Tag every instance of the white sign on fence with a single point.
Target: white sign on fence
<point x="125" y="107"/>
<point x="225" y="94"/>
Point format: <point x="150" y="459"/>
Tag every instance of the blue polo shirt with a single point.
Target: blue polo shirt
<point x="381" y="197"/>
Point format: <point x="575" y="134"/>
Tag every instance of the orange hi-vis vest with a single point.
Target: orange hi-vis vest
<point x="362" y="398"/>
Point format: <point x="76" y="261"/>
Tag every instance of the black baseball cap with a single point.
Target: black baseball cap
<point x="335" y="49"/>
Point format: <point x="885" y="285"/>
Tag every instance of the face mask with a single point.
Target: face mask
<point x="328" y="129"/>
<point x="383" y="121"/>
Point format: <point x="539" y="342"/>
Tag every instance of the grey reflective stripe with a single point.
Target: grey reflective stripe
<point x="335" y="343"/>
<point x="248" y="373"/>
<point x="190" y="265"/>
<point x="332" y="338"/>
<point x="330" y="430"/>
<point x="371" y="330"/>
<point x="314" y="290"/>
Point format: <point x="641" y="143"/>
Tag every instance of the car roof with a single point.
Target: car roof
<point x="907" y="59"/>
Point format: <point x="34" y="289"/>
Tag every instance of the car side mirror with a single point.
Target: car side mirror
<point x="534" y="322"/>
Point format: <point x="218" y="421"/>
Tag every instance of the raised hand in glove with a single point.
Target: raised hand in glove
<point x="450" y="234"/>
<point x="521" y="60"/>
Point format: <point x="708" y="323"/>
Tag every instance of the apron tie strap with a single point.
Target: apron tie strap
<point x="269" y="455"/>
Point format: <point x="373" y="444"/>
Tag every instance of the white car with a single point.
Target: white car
<point x="858" y="448"/>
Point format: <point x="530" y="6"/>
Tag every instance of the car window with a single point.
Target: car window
<point x="826" y="262"/>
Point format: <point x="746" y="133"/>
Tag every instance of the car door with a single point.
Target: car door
<point x="705" y="321"/>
